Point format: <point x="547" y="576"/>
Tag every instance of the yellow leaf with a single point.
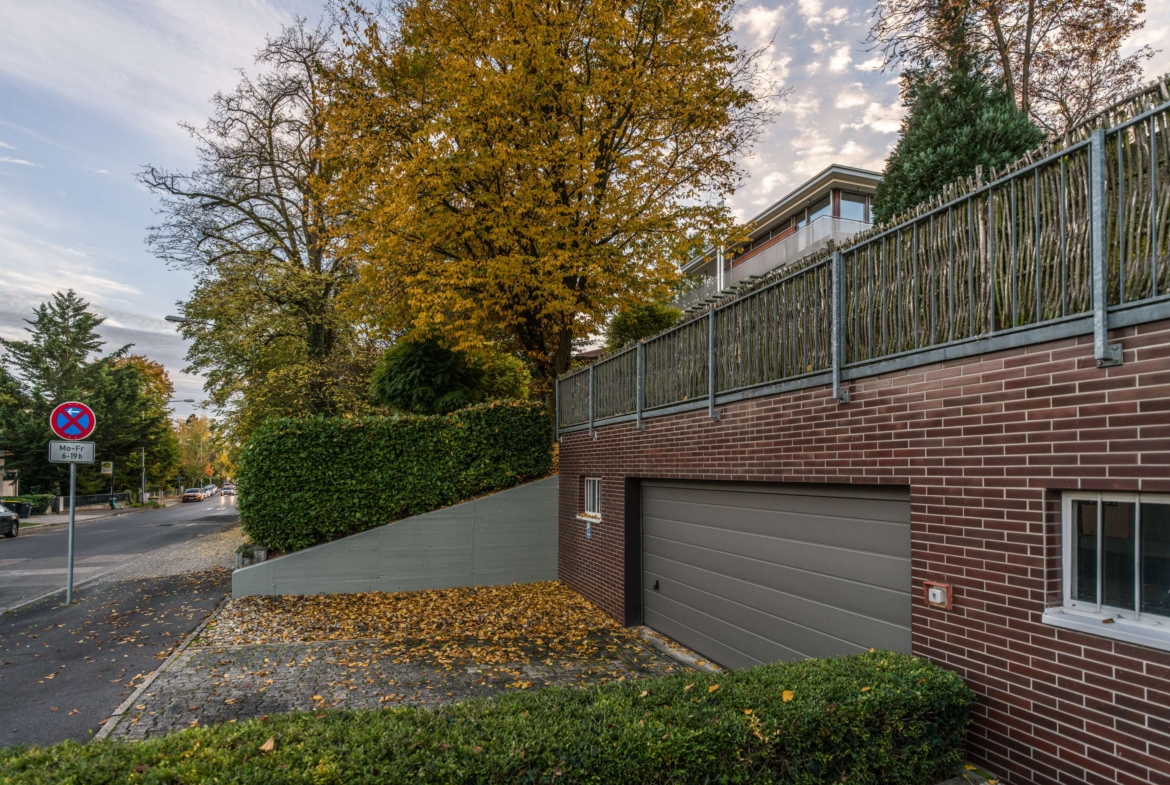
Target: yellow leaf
<point x="644" y="693"/>
<point x="318" y="698"/>
<point x="688" y="687"/>
<point x="871" y="651"/>
<point x="712" y="688"/>
<point x="269" y="745"/>
<point x="788" y="695"/>
<point x="967" y="766"/>
<point x="747" y="711"/>
<point x="866" y="689"/>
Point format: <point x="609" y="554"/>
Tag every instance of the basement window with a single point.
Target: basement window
<point x="1116" y="567"/>
<point x="592" y="498"/>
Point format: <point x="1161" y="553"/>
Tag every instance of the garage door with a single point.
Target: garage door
<point x="747" y="573"/>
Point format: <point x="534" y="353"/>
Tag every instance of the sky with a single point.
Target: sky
<point x="91" y="91"/>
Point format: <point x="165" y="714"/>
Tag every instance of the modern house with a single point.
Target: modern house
<point x="949" y="438"/>
<point x="833" y="205"/>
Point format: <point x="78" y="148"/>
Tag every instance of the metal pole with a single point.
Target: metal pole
<point x="640" y="392"/>
<point x="1105" y="353"/>
<point x="714" y="415"/>
<point x="837" y="312"/>
<point x="557" y="412"/>
<point x="591" y="434"/>
<point x="72" y="520"/>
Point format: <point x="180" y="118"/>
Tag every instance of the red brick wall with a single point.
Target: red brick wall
<point x="986" y="445"/>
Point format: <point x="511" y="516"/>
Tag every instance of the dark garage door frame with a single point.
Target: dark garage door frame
<point x="635" y="612"/>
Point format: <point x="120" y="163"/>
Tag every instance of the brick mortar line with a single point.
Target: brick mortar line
<point x="112" y="721"/>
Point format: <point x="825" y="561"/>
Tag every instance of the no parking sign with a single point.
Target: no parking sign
<point x="72" y="421"/>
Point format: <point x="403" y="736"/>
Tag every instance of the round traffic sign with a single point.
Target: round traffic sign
<point x="72" y="420"/>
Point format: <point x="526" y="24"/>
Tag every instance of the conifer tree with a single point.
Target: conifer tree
<point x="959" y="118"/>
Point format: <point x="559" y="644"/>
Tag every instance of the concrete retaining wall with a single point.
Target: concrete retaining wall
<point x="507" y="537"/>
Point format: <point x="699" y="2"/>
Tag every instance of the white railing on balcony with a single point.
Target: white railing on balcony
<point x="780" y="253"/>
<point x="804" y="241"/>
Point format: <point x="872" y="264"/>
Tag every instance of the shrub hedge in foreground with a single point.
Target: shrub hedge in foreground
<point x="868" y="719"/>
<point x="311" y="480"/>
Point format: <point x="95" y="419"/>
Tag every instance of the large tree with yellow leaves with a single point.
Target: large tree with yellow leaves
<point x="516" y="171"/>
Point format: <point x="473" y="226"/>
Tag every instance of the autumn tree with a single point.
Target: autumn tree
<point x="515" y="172"/>
<point x="252" y="223"/>
<point x="1060" y="60"/>
<point x="61" y="359"/>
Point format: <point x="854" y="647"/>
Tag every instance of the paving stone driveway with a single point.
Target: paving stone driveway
<point x="213" y="684"/>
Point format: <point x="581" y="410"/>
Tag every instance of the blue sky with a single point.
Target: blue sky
<point x="92" y="90"/>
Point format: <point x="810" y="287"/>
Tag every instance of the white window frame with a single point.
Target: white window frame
<point x="1133" y="626"/>
<point x="592" y="509"/>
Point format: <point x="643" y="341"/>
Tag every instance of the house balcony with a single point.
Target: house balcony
<point x="778" y="252"/>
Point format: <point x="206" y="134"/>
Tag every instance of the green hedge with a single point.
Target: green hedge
<point x="868" y="719"/>
<point x="40" y="501"/>
<point x="305" y="481"/>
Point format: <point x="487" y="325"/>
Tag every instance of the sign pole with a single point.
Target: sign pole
<point x="72" y="519"/>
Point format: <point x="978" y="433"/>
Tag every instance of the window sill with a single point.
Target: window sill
<point x="589" y="518"/>
<point x="1156" y="636"/>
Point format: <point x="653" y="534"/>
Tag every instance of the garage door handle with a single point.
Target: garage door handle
<point x="655" y="585"/>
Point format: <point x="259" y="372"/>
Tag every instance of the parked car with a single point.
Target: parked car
<point x="211" y="490"/>
<point x="228" y="489"/>
<point x="9" y="522"/>
<point x="194" y="495"/>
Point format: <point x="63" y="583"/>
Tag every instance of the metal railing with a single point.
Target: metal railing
<point x="92" y="499"/>
<point x="1065" y="243"/>
<point x="806" y="240"/>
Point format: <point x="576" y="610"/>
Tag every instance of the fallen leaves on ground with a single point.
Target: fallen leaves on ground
<point x="486" y="624"/>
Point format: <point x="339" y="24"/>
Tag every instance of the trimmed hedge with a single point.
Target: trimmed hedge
<point x="306" y="481"/>
<point x="867" y="719"/>
<point x="40" y="501"/>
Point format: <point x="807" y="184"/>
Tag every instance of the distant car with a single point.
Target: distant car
<point x="211" y="490"/>
<point x="9" y="522"/>
<point x="228" y="489"/>
<point x="194" y="495"/>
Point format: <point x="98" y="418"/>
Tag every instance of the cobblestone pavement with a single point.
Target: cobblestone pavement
<point x="213" y="684"/>
<point x="211" y="551"/>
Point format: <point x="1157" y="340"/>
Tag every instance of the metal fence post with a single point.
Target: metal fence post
<point x="592" y="435"/>
<point x="640" y="390"/>
<point x="714" y="415"/>
<point x="837" y="312"/>
<point x="557" y="412"/>
<point x="1105" y="353"/>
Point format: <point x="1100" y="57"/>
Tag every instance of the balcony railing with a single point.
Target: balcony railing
<point x="806" y="240"/>
<point x="778" y="253"/>
<point x="1073" y="240"/>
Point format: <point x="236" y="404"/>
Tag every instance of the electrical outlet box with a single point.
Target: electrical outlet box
<point x="937" y="595"/>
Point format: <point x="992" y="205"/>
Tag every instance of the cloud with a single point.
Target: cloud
<point x="841" y="59"/>
<point x="10" y="160"/>
<point x="6" y="146"/>
<point x="872" y="64"/>
<point x="145" y="63"/>
<point x="881" y="119"/>
<point x="851" y="96"/>
<point x="814" y="13"/>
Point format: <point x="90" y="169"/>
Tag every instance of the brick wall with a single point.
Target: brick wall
<point x="986" y="445"/>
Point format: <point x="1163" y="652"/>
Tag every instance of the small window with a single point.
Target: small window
<point x="593" y="497"/>
<point x="1117" y="562"/>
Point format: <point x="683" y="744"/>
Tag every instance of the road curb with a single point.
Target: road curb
<point x="112" y="721"/>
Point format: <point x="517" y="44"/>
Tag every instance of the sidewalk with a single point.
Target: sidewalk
<point x="38" y="521"/>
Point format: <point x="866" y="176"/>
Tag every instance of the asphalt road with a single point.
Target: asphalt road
<point x="34" y="563"/>
<point x="64" y="670"/>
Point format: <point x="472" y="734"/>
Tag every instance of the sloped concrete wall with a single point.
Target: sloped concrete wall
<point x="507" y="537"/>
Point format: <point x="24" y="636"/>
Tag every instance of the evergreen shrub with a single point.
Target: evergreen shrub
<point x="869" y="719"/>
<point x="311" y="480"/>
